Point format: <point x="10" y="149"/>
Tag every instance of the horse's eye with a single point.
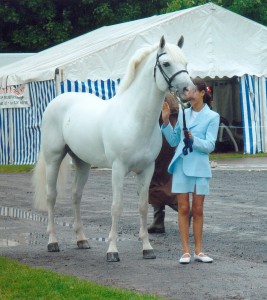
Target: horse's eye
<point x="166" y="64"/>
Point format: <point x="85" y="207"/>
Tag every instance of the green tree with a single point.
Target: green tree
<point x="255" y="10"/>
<point x="34" y="25"/>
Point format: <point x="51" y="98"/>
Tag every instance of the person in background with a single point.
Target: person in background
<point x="191" y="172"/>
<point x="160" y="193"/>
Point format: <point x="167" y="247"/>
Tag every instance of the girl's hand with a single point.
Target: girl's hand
<point x="165" y="113"/>
<point x="190" y="135"/>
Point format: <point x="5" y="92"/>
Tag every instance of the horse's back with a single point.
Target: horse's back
<point x="65" y="102"/>
<point x="63" y="107"/>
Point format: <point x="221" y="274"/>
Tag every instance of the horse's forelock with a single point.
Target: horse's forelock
<point x="138" y="57"/>
<point x="176" y="53"/>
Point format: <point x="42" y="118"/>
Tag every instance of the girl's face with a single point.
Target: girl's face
<point x="197" y="97"/>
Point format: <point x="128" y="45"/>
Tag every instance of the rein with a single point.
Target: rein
<point x="188" y="143"/>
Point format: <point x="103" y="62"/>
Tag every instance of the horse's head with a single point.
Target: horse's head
<point x="170" y="70"/>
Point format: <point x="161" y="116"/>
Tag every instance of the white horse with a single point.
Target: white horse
<point x="122" y="134"/>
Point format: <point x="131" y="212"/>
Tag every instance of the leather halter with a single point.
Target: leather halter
<point x="165" y="76"/>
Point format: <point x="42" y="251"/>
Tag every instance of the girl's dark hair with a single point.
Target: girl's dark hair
<point x="202" y="86"/>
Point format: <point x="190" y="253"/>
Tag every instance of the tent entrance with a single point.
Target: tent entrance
<point x="226" y="101"/>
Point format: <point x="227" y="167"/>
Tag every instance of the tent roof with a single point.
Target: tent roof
<point x="217" y="43"/>
<point x="8" y="58"/>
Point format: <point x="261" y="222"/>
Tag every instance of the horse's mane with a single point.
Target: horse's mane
<point x="137" y="58"/>
<point x="173" y="51"/>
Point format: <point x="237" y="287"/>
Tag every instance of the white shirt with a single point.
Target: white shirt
<point x="193" y="116"/>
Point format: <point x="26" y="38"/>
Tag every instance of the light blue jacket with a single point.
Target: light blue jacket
<point x="204" y="130"/>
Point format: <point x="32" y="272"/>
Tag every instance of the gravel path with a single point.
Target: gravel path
<point x="234" y="235"/>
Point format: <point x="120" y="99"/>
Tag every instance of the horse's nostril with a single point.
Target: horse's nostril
<point x="185" y="89"/>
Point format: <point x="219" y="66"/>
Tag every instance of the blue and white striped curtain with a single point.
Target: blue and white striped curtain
<point x="20" y="128"/>
<point x="103" y="89"/>
<point x="253" y="97"/>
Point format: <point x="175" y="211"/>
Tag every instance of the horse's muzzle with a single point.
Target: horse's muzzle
<point x="188" y="93"/>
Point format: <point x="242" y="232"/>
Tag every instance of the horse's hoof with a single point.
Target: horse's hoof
<point x="83" y="244"/>
<point x="149" y="254"/>
<point x="113" y="257"/>
<point x="53" y="247"/>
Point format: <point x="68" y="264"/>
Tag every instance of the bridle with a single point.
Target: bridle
<point x="165" y="76"/>
<point x="187" y="141"/>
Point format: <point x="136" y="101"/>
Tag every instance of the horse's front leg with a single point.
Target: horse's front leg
<point x="81" y="177"/>
<point x="118" y="174"/>
<point x="143" y="182"/>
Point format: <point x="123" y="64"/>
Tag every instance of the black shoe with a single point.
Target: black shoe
<point x="157" y="225"/>
<point x="153" y="229"/>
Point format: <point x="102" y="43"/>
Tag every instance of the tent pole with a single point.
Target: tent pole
<point x="10" y="137"/>
<point x="57" y="81"/>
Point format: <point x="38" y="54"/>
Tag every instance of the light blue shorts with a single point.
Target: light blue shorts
<point x="182" y="183"/>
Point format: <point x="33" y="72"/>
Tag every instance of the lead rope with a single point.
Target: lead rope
<point x="188" y="144"/>
<point x="187" y="141"/>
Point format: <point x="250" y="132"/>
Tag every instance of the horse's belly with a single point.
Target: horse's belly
<point x="89" y="153"/>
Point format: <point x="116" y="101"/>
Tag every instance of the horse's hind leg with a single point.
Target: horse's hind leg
<point x="51" y="189"/>
<point x="143" y="182"/>
<point x="81" y="176"/>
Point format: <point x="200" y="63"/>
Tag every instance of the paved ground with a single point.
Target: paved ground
<point x="246" y="164"/>
<point x="234" y="235"/>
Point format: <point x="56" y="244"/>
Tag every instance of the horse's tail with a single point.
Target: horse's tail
<point x="39" y="181"/>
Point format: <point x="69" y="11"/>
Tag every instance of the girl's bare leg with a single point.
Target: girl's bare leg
<point x="183" y="220"/>
<point x="198" y="218"/>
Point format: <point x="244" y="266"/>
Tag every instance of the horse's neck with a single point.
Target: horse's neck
<point x="143" y="99"/>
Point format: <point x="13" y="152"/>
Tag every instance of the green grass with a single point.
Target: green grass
<point x="15" y="168"/>
<point x="230" y="155"/>
<point x="18" y="281"/>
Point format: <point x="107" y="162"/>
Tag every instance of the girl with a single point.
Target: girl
<point x="191" y="172"/>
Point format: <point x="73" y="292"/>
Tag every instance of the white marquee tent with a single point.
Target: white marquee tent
<point x="219" y="45"/>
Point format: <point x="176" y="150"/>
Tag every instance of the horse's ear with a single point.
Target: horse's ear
<point x="162" y="42"/>
<point x="181" y="42"/>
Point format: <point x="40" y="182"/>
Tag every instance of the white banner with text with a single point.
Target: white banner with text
<point x="15" y="97"/>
